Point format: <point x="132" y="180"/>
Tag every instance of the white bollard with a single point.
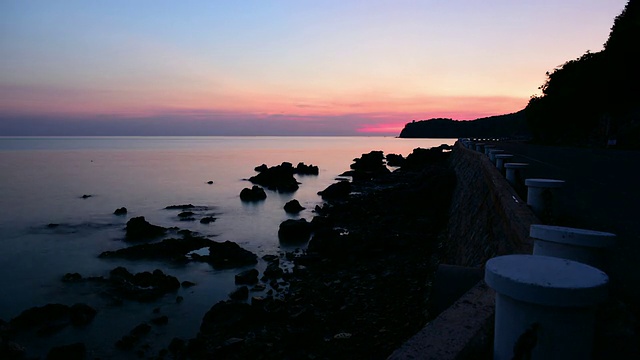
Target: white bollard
<point x="493" y="153"/>
<point x="514" y="172"/>
<point x="540" y="195"/>
<point x="501" y="159"/>
<point x="580" y="245"/>
<point x="545" y="306"/>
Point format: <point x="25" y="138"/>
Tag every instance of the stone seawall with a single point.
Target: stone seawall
<point x="487" y="219"/>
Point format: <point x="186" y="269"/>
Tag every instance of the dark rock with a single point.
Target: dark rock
<point x="419" y="158"/>
<point x="261" y="168"/>
<point x="162" y="320"/>
<point x="395" y="160"/>
<point x="127" y="342"/>
<point x="339" y="190"/>
<point x="270" y="258"/>
<point x="76" y="351"/>
<point x="210" y="182"/>
<point x="256" y="193"/>
<point x="279" y="178"/>
<point x="304" y="169"/>
<point x="294" y="230"/>
<point x="247" y="277"/>
<point x="186" y="214"/>
<point x="140" y="229"/>
<point x="207" y="220"/>
<point x="227" y="317"/>
<point x="120" y="211"/>
<point x="52" y="225"/>
<point x="179" y="299"/>
<point x="141" y="330"/>
<point x="144" y="286"/>
<point x="293" y="206"/>
<point x="85" y="196"/>
<point x="273" y="270"/>
<point x="187" y="284"/>
<point x="169" y="249"/>
<point x="72" y="277"/>
<point x="177" y="346"/>
<point x="180" y="207"/>
<point x="52" y="317"/>
<point x="227" y="255"/>
<point x="241" y="293"/>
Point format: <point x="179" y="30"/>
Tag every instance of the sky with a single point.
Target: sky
<point x="279" y="67"/>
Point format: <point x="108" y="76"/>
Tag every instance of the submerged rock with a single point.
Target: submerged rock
<point x="51" y="318"/>
<point x="143" y="286"/>
<point x="140" y="229"/>
<point x="168" y="249"/>
<point x="120" y="211"/>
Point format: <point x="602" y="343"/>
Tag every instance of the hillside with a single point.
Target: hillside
<point x="509" y="125"/>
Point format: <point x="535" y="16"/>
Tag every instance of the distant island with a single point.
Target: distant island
<point x="510" y="125"/>
<point x="591" y="101"/>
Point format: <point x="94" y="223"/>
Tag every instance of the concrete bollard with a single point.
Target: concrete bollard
<point x="480" y="147"/>
<point x="585" y="246"/>
<point x="488" y="148"/>
<point x="501" y="159"/>
<point x="545" y="306"/>
<point x="514" y="172"/>
<point x="493" y="153"/>
<point x="540" y="195"/>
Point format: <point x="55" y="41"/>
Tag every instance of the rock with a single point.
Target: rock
<point x="144" y="286"/>
<point x="141" y="330"/>
<point x="395" y="160"/>
<point x="207" y="220"/>
<point x="127" y="342"/>
<point x="272" y="271"/>
<point x="228" y="255"/>
<point x="86" y="196"/>
<point x="177" y="346"/>
<point x="210" y="182"/>
<point x="279" y="178"/>
<point x="185" y="214"/>
<point x="293" y="206"/>
<point x="339" y="190"/>
<point x="294" y="230"/>
<point x="50" y="318"/>
<point x="180" y="207"/>
<point x="227" y="317"/>
<point x="241" y="293"/>
<point x="140" y="229"/>
<point x="187" y="284"/>
<point x="247" y="277"/>
<point x="179" y="299"/>
<point x="304" y="169"/>
<point x="261" y="168"/>
<point x="256" y="193"/>
<point x="169" y="249"/>
<point x="11" y="350"/>
<point x="76" y="351"/>
<point x="72" y="277"/>
<point x="270" y="258"/>
<point x="120" y="211"/>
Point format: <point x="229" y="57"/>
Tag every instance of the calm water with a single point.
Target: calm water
<point x="42" y="181"/>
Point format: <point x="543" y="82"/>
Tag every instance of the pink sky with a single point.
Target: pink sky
<point x="280" y="67"/>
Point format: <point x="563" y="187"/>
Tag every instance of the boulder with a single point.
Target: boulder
<point x="168" y="249"/>
<point x="226" y="255"/>
<point x="140" y="229"/>
<point x="273" y="271"/>
<point x="304" y="169"/>
<point x="144" y="286"/>
<point x="339" y="190"/>
<point x="247" y="277"/>
<point x="77" y="351"/>
<point x="120" y="211"/>
<point x="261" y="168"/>
<point x="50" y="318"/>
<point x="279" y="178"/>
<point x="227" y="317"/>
<point x="256" y="193"/>
<point x="207" y="220"/>
<point x="294" y="230"/>
<point x="395" y="160"/>
<point x="293" y="206"/>
<point x="241" y="293"/>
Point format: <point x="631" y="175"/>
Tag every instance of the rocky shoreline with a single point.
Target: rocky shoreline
<point x="358" y="290"/>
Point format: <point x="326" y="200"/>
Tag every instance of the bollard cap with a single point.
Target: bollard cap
<point x="546" y="280"/>
<point x="503" y="156"/>
<point x="544" y="183"/>
<point x="515" y="165"/>
<point x="572" y="236"/>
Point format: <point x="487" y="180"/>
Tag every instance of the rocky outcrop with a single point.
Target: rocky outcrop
<point x="140" y="229"/>
<point x="256" y="193"/>
<point x="226" y="255"/>
<point x="50" y="318"/>
<point x="120" y="211"/>
<point x="339" y="190"/>
<point x="294" y="230"/>
<point x="293" y="207"/>
<point x="278" y="178"/>
<point x="168" y="249"/>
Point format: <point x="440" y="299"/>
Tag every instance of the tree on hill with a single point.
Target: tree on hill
<point x="596" y="97"/>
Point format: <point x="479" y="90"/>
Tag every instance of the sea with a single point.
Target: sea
<point x="76" y="183"/>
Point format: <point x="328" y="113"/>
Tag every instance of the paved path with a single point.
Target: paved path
<point x="602" y="192"/>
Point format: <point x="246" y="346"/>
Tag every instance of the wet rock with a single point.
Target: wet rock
<point x="168" y="249"/>
<point x="11" y="350"/>
<point x="339" y="190"/>
<point x="141" y="330"/>
<point x="50" y="318"/>
<point x="186" y="214"/>
<point x="227" y="317"/>
<point x="294" y="230"/>
<point x="293" y="206"/>
<point x="72" y="277"/>
<point x="143" y="286"/>
<point x="140" y="229"/>
<point x="304" y="169"/>
<point x="76" y="351"/>
<point x="127" y="342"/>
<point x="120" y="211"/>
<point x="86" y="196"/>
<point x="226" y="255"/>
<point x="395" y="160"/>
<point x="187" y="284"/>
<point x="241" y="293"/>
<point x="278" y="178"/>
<point x="210" y="182"/>
<point x="247" y="277"/>
<point x="273" y="270"/>
<point x="180" y="207"/>
<point x="177" y="346"/>
<point x="207" y="220"/>
<point x="161" y="320"/>
<point x="261" y="168"/>
<point x="256" y="193"/>
<point x="270" y="258"/>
